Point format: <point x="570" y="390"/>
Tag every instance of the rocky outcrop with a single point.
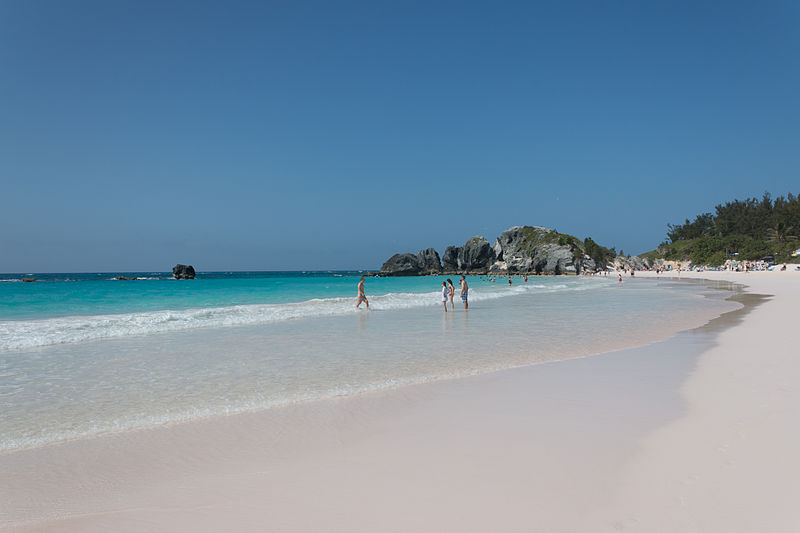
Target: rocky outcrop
<point x="477" y="255"/>
<point x="523" y="249"/>
<point x="450" y="259"/>
<point x="515" y="247"/>
<point x="425" y="262"/>
<point x="429" y="261"/>
<point x="402" y="265"/>
<point x="540" y="250"/>
<point x="183" y="272"/>
<point x="588" y="264"/>
<point x="635" y="262"/>
<point x="553" y="259"/>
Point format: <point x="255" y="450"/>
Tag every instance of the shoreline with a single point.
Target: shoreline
<point x="653" y="335"/>
<point x="730" y="464"/>
<point x="204" y="462"/>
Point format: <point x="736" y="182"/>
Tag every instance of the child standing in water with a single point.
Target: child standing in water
<point x="445" y="292"/>
<point x="452" y="290"/>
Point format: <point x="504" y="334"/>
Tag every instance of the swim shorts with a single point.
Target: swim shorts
<point x="464" y="296"/>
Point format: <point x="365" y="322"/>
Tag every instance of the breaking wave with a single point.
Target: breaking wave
<point x="23" y="334"/>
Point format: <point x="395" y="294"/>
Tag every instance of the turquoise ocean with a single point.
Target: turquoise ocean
<point x="83" y="354"/>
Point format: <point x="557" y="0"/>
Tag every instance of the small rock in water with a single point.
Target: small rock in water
<point x="183" y="272"/>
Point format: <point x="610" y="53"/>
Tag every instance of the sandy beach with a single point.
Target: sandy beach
<point x="695" y="433"/>
<point x="366" y="267"/>
<point x="730" y="463"/>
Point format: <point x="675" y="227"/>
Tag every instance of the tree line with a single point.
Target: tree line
<point x="747" y="229"/>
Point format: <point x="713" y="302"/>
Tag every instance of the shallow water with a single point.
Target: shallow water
<point x="66" y="308"/>
<point x="135" y="378"/>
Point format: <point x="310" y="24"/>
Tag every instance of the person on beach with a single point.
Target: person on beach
<point x="465" y="291"/>
<point x="445" y="295"/>
<point x="509" y="280"/>
<point x="620" y="277"/>
<point x="451" y="288"/>
<point x="362" y="297"/>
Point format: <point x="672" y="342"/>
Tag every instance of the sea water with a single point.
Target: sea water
<point x="86" y="354"/>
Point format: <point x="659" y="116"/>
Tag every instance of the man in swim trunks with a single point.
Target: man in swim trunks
<point x="464" y="292"/>
<point x="361" y="296"/>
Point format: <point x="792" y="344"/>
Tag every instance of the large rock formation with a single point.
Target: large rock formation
<point x="429" y="261"/>
<point x="635" y="262"/>
<point x="553" y="259"/>
<point x="450" y="260"/>
<point x="588" y="264"/>
<point x="515" y="246"/>
<point x="183" y="272"/>
<point x="534" y="249"/>
<point x="402" y="265"/>
<point x="476" y="255"/>
<point x="425" y="262"/>
<point x="538" y="249"/>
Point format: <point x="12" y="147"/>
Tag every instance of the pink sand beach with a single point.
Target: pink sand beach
<point x="695" y="433"/>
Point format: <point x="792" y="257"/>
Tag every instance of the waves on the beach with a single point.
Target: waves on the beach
<point x="103" y="426"/>
<point x="162" y="367"/>
<point x="24" y="334"/>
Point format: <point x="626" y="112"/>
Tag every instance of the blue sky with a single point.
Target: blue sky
<point x="316" y="135"/>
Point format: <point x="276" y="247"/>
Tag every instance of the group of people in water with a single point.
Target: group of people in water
<point x="448" y="291"/>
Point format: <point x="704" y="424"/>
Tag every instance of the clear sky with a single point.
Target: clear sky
<point x="315" y="135"/>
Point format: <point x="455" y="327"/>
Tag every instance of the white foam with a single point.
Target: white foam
<point x="24" y="334"/>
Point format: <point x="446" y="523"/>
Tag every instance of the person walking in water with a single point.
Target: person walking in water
<point x="452" y="290"/>
<point x="445" y="295"/>
<point x="464" y="292"/>
<point x="362" y="297"/>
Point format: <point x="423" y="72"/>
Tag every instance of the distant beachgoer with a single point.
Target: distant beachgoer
<point x="452" y="290"/>
<point x="465" y="291"/>
<point x="509" y="280"/>
<point x="445" y="294"/>
<point x="525" y="278"/>
<point x="620" y="277"/>
<point x="362" y="297"/>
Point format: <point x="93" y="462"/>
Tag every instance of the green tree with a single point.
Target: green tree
<point x="780" y="233"/>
